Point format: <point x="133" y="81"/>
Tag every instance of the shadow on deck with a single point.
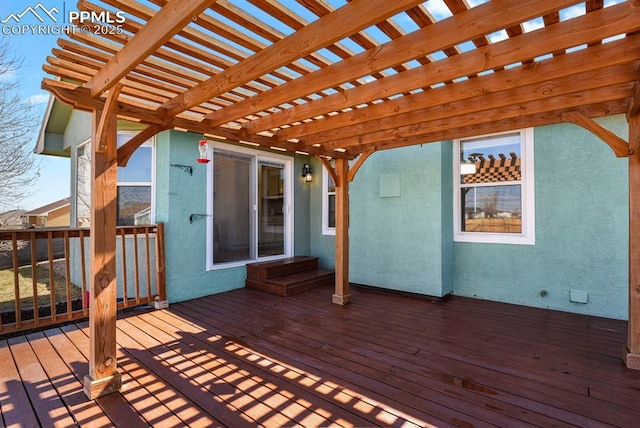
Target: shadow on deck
<point x="247" y="358"/>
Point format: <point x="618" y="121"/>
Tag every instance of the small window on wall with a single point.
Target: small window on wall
<point x="328" y="204"/>
<point x="135" y="185"/>
<point x="494" y="189"/>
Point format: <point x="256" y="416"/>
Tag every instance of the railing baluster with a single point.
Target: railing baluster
<point x="34" y="278"/>
<point x="148" y="260"/>
<point x="123" y="244"/>
<point x="67" y="274"/>
<point x="16" y="279"/>
<point x="83" y="269"/>
<point x="161" y="278"/>
<point x="52" y="276"/>
<point x="41" y="255"/>
<point x="135" y="265"/>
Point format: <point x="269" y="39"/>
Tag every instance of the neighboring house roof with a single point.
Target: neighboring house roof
<point x="57" y="117"/>
<point x="51" y="135"/>
<point x="46" y="209"/>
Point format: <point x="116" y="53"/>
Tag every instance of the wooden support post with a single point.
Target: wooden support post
<point x="161" y="301"/>
<point x="342" y="295"/>
<point x="632" y="351"/>
<point x="103" y="377"/>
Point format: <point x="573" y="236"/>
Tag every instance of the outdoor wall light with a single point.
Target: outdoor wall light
<point x="306" y="173"/>
<point x="203" y="146"/>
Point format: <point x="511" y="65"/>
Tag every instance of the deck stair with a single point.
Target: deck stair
<point x="286" y="277"/>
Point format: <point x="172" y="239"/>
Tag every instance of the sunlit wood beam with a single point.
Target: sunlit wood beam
<point x="466" y="129"/>
<point x="619" y="146"/>
<point x="597" y="57"/>
<point x="163" y="26"/>
<point x="475" y="22"/>
<point x="343" y="22"/>
<point x="634" y="105"/>
<point x="127" y="149"/>
<point x="79" y="98"/>
<point x="568" y="101"/>
<point x="603" y="23"/>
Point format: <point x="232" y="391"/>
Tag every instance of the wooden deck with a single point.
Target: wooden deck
<point x="247" y="358"/>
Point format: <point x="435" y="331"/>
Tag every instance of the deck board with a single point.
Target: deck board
<point x="247" y="358"/>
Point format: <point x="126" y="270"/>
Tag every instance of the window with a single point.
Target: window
<point x="328" y="204"/>
<point x="249" y="200"/>
<point x="494" y="189"/>
<point x="135" y="185"/>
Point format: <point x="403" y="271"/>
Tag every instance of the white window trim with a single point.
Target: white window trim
<point x="326" y="230"/>
<point x="289" y="194"/>
<point x="528" y="235"/>
<point x="151" y="142"/>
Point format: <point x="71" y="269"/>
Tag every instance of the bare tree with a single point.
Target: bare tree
<point x="490" y="203"/>
<point x="19" y="169"/>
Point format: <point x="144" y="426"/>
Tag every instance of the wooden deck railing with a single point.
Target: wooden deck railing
<point x="44" y="273"/>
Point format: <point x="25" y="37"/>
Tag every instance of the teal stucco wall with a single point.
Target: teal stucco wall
<point x="397" y="239"/>
<point x="581" y="231"/>
<point x="178" y="195"/>
<point x="406" y="242"/>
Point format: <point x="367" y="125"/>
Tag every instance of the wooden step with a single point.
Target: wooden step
<point x="288" y="285"/>
<point x="263" y="271"/>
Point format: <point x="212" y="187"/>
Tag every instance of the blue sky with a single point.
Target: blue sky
<point x="54" y="180"/>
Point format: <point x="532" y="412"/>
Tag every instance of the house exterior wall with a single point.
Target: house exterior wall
<point x="34" y="221"/>
<point x="399" y="252"/>
<point x="581" y="231"/>
<point x="78" y="129"/>
<point x="178" y="196"/>
<point x="400" y="241"/>
<point x="406" y="242"/>
<point x="59" y="217"/>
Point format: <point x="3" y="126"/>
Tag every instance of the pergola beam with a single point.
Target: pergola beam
<point x="126" y="151"/>
<point x="163" y="26"/>
<point x="465" y="130"/>
<point x="598" y="57"/>
<point x="607" y="22"/>
<point x="519" y="97"/>
<point x="308" y="39"/>
<point x="110" y="104"/>
<point x="470" y="24"/>
<point x="619" y="146"/>
<point x="79" y="98"/>
<point x="359" y="162"/>
<point x="634" y="105"/>
<point x="632" y="351"/>
<point x="536" y="107"/>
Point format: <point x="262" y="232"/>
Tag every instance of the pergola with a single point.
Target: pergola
<point x="339" y="81"/>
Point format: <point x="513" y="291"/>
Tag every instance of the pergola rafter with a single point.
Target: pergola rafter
<point x="342" y="83"/>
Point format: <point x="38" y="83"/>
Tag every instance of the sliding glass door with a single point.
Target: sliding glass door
<point x="250" y="205"/>
<point x="232" y="208"/>
<point x="271" y="209"/>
